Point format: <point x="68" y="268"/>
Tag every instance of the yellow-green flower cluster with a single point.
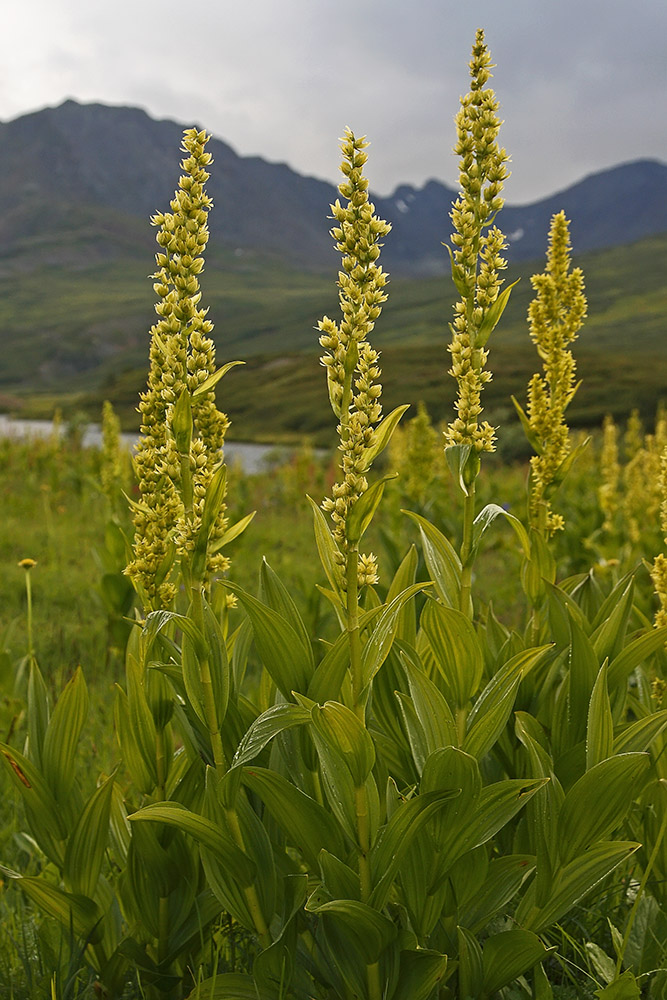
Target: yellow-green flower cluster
<point x="182" y="356"/>
<point x="111" y="469"/>
<point x="610" y="471"/>
<point x="642" y="485"/>
<point x="555" y="316"/>
<point x="417" y="456"/>
<point x="659" y="568"/>
<point x="350" y="361"/>
<point x="477" y="259"/>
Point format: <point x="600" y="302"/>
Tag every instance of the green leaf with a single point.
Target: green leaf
<point x="229" y="986"/>
<point x="275" y="720"/>
<point x="470" y="964"/>
<point x="600" y="729"/>
<point x="141" y="773"/>
<point x="636" y="652"/>
<point x="625" y="987"/>
<point x="584" y="668"/>
<point x="492" y="709"/>
<point x="531" y="435"/>
<point x="487" y="516"/>
<point x="608" y="638"/>
<point x="361" y="513"/>
<point x="504" y="878"/>
<point x="458" y="456"/>
<point x="281" y="648"/>
<point x="38" y="712"/>
<point x="35" y="793"/>
<point x="330" y="554"/>
<point x="232" y="532"/>
<point x="308" y="826"/>
<point x="598" y="802"/>
<point x="210" y="383"/>
<point x="339" y="730"/>
<point x="572" y="884"/>
<point x="419" y="973"/>
<point x="204" y="832"/>
<point x="377" y="647"/>
<point x="492" y="315"/>
<point x="640" y="734"/>
<point x="509" y="955"/>
<point x="181" y="422"/>
<point x="62" y="737"/>
<point x="71" y="910"/>
<point x="275" y="595"/>
<point x="369" y="932"/>
<point x="456" y="649"/>
<point x="442" y="560"/>
<point x="397" y="836"/>
<point x="87" y="843"/>
<point x="381" y="436"/>
<point x="432" y="710"/>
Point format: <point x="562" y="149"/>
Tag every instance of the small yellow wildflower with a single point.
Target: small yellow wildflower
<point x="27" y="563"/>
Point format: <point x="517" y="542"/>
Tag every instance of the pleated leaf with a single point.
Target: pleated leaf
<point x="87" y="843"/>
<point x="62" y="736"/>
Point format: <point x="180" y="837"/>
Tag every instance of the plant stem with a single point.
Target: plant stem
<point x="210" y="712"/>
<point x="465" y="603"/>
<point x="28" y="594"/>
<point x="252" y="898"/>
<point x="353" y="628"/>
<point x="364" y="835"/>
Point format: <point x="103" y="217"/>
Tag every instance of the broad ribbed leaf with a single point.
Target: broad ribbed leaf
<point x="609" y="637"/>
<point x="442" y="560"/>
<point x="471" y="969"/>
<point x="362" y="510"/>
<point x="397" y="836"/>
<point x="34" y="791"/>
<point x="640" y="734"/>
<point x="504" y="878"/>
<point x="204" y="832"/>
<point x="598" y="802"/>
<point x="377" y="648"/>
<point x="432" y="710"/>
<point x="382" y="435"/>
<point x="62" y="737"/>
<point x="343" y="733"/>
<point x="419" y="973"/>
<point x="275" y="595"/>
<point x="71" y="910"/>
<point x="635" y="653"/>
<point x="572" y="884"/>
<point x="308" y="826"/>
<point x="88" y="842"/>
<point x="275" y="720"/>
<point x="456" y="649"/>
<point x="229" y="986"/>
<point x="509" y="955"/>
<point x="327" y="548"/>
<point x="367" y="930"/>
<point x="280" y="647"/>
<point x="600" y="729"/>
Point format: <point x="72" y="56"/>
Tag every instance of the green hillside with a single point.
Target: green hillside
<point x="72" y="336"/>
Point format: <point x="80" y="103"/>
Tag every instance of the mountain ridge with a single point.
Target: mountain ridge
<point x="124" y="164"/>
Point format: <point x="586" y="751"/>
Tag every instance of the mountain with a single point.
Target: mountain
<point x="80" y="181"/>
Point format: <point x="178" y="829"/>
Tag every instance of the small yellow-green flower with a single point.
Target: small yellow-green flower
<point x="477" y="260"/>
<point x="27" y="564"/>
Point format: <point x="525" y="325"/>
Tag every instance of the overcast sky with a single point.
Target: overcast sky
<point x="582" y="83"/>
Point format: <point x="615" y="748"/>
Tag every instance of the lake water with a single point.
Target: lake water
<point x="251" y="457"/>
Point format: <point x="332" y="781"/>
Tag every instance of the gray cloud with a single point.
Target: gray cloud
<point x="582" y="83"/>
